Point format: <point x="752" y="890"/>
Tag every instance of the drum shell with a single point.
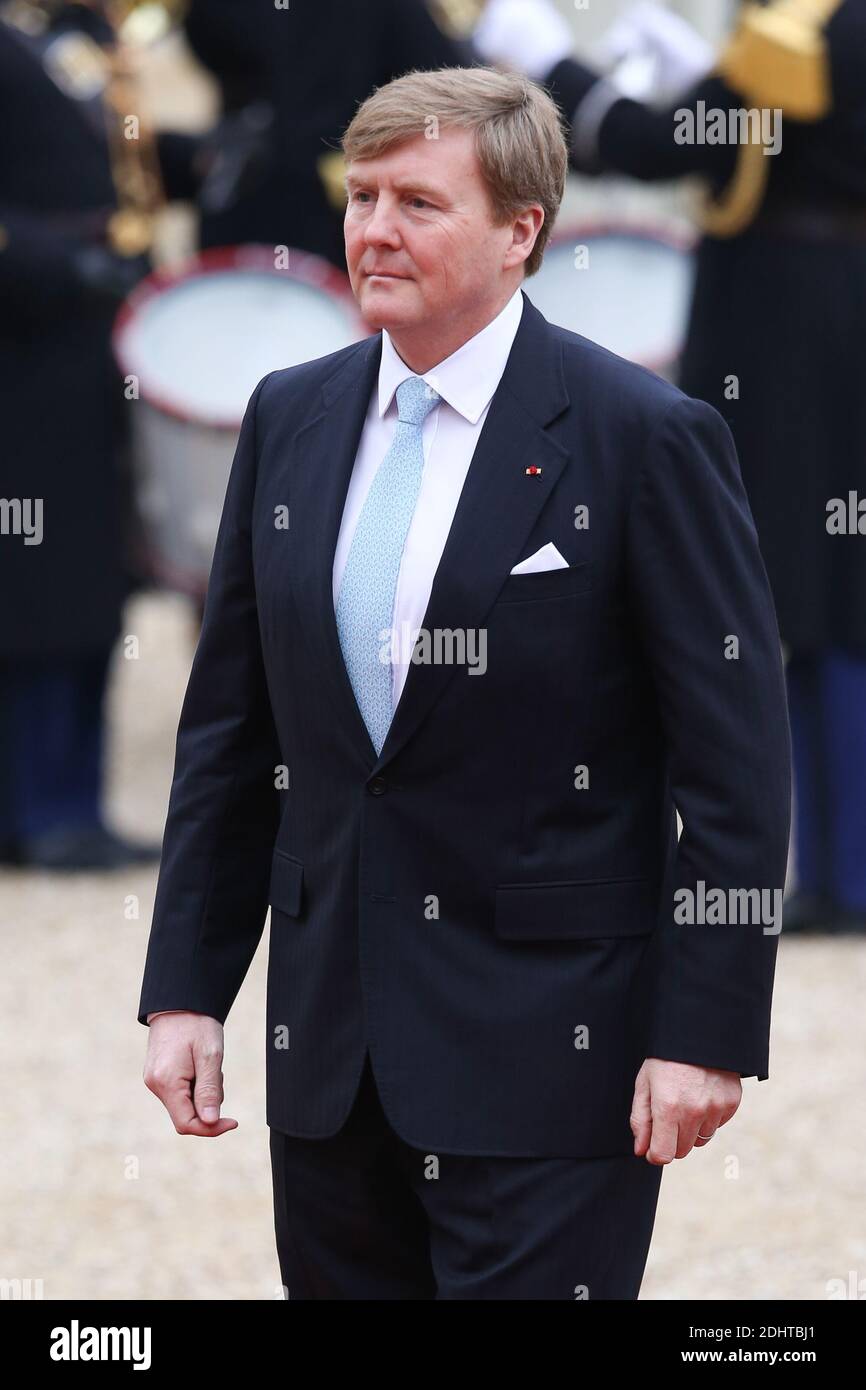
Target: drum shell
<point x="625" y="286"/>
<point x="177" y="332"/>
<point x="181" y="471"/>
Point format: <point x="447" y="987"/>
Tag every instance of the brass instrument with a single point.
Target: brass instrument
<point x="132" y="144"/>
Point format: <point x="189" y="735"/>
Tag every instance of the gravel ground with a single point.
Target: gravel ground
<point x="101" y="1199"/>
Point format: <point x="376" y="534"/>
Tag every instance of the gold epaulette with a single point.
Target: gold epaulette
<point x="331" y="168"/>
<point x="456" y="17"/>
<point x="777" y="57"/>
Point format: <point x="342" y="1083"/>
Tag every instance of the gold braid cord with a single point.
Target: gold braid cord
<point x="777" y="58"/>
<point x="132" y="143"/>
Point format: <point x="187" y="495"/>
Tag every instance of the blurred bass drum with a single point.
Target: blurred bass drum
<point x="196" y="341"/>
<point x="624" y="287"/>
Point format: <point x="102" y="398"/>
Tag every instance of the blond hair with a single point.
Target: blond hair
<point x="519" y="139"/>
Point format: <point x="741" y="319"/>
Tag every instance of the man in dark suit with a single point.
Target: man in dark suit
<point x="502" y="994"/>
<point x="776" y="342"/>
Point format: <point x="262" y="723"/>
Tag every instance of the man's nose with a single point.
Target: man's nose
<point x="381" y="226"/>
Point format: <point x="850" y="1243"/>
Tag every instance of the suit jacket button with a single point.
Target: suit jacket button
<point x="377" y="786"/>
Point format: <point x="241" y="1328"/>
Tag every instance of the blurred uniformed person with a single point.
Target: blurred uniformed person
<point x="75" y="201"/>
<point x="310" y="65"/>
<point x="777" y="343"/>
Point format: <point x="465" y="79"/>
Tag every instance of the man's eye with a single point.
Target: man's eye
<point x="422" y="201"/>
<point x="359" y="193"/>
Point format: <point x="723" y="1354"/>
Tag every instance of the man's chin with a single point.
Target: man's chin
<point x="384" y="304"/>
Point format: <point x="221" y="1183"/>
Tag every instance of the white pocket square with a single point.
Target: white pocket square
<point x="547" y="558"/>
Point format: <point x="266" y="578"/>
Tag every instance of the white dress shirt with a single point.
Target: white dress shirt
<point x="467" y="382"/>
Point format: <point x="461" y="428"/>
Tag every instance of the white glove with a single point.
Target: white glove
<point x="651" y="52"/>
<point x="530" y="36"/>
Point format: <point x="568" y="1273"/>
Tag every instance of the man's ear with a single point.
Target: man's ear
<point x="525" y="230"/>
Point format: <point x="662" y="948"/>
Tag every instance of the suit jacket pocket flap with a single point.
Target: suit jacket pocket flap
<point x="571" y="910"/>
<point x="538" y="584"/>
<point x="287" y="877"/>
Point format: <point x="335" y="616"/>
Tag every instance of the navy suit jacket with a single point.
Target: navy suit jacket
<point x="488" y="905"/>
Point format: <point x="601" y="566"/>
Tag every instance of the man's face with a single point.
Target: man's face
<point x="421" y="248"/>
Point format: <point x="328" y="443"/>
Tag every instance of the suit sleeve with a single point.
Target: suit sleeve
<point x="223" y="813"/>
<point x="709" y="632"/>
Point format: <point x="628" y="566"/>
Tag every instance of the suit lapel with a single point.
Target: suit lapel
<point x="498" y="507"/>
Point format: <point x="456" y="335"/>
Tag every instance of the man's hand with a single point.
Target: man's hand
<point x="678" y="1107"/>
<point x="184" y="1068"/>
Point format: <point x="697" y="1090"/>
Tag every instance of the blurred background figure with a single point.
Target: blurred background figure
<point x="776" y="338"/>
<point x="305" y="78"/>
<point x="79" y="191"/>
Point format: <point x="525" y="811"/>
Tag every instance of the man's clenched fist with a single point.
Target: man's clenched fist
<point x="184" y="1068"/>
<point x="678" y="1107"/>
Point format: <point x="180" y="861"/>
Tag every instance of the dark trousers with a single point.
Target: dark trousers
<point x="52" y="743"/>
<point x="827" y="703"/>
<point x="363" y="1215"/>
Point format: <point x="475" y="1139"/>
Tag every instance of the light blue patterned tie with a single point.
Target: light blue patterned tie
<point x="365" y="602"/>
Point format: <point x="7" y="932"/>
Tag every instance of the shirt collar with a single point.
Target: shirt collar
<point x="467" y="379"/>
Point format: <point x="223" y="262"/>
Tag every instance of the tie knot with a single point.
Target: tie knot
<point x="415" y="400"/>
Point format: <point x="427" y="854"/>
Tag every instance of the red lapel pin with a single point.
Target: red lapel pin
<point x="533" y="471"/>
